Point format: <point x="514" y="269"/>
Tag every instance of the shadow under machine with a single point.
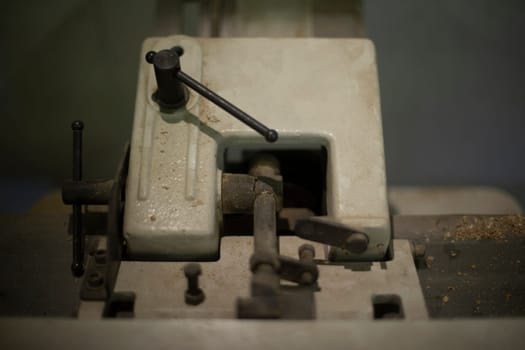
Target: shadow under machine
<point x="253" y="188"/>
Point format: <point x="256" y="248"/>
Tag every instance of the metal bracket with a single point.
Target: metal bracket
<point x="102" y="270"/>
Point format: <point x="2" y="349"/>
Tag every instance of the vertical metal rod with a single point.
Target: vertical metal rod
<point x="77" y="266"/>
<point x="265" y="279"/>
<point x="264" y="224"/>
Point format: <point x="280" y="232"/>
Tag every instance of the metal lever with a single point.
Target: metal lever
<point x="326" y="230"/>
<point x="171" y="94"/>
<point x="77" y="266"/>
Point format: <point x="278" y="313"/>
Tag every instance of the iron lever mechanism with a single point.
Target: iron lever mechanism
<point x="77" y="192"/>
<point x="172" y="95"/>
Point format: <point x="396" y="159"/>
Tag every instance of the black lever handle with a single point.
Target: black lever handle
<point x="171" y="94"/>
<point x="77" y="266"/>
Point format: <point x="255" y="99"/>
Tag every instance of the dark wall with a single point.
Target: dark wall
<point x="64" y="60"/>
<point x="452" y="78"/>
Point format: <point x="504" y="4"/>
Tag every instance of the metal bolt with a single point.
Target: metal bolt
<point x="357" y="243"/>
<point x="418" y="250"/>
<point x="307" y="254"/>
<point x="193" y="295"/>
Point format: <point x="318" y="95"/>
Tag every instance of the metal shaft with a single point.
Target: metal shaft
<point x="265" y="279"/>
<point x="264" y="224"/>
<point x="77" y="267"/>
<point x="269" y="134"/>
<point x="170" y="93"/>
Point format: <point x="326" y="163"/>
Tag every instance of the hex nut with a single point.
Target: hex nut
<point x="194" y="299"/>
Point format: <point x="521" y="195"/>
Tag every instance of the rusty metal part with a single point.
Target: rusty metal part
<point x="268" y="299"/>
<point x="86" y="192"/>
<point x="265" y="167"/>
<point x="298" y="271"/>
<point x="264" y="224"/>
<point x="265" y="258"/>
<point x="326" y="230"/>
<point x="267" y="266"/>
<point x="265" y="279"/>
<point x="239" y="191"/>
<point x="229" y="278"/>
<point x="291" y="215"/>
<point x="265" y="282"/>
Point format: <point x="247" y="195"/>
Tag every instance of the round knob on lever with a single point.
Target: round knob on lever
<point x="171" y="93"/>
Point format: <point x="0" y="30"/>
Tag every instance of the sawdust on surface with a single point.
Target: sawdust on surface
<point x="489" y="227"/>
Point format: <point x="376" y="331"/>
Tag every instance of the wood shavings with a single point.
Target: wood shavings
<point x="490" y="227"/>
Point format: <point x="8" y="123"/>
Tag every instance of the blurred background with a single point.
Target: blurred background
<point x="451" y="77"/>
